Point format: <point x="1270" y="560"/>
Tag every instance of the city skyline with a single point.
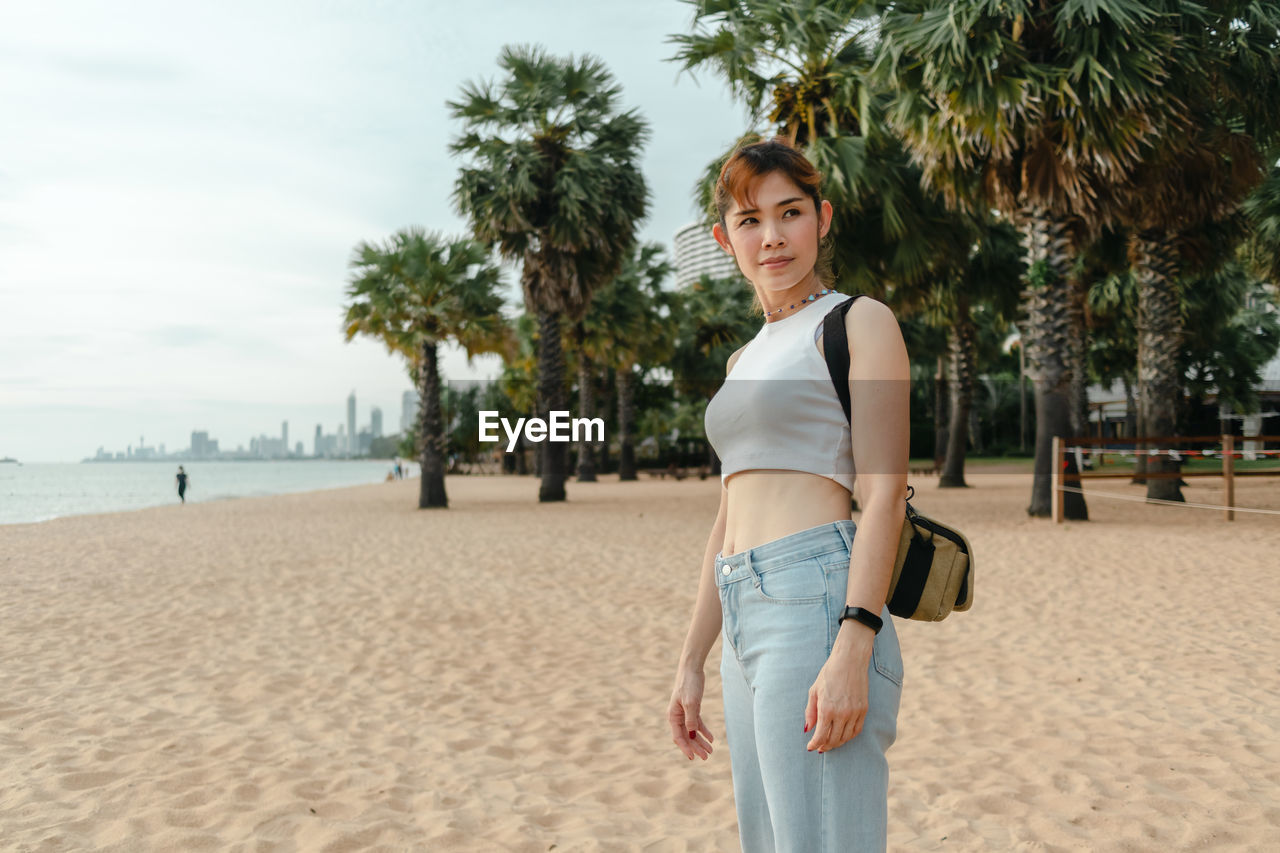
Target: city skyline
<point x="237" y="160"/>
<point x="203" y="444"/>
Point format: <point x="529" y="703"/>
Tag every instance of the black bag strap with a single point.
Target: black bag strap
<point x="835" y="347"/>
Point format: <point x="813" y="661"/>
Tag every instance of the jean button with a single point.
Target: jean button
<point x="725" y="570"/>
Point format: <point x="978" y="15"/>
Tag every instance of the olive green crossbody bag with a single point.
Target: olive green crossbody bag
<point x="933" y="573"/>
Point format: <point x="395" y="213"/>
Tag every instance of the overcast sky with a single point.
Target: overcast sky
<point x="181" y="187"/>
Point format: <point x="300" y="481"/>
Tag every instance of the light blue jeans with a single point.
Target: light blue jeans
<point x="781" y="603"/>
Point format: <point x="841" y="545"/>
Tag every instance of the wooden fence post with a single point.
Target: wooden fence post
<point x="1229" y="473"/>
<point x="1055" y="480"/>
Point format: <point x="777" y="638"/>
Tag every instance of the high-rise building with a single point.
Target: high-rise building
<point x="284" y="436"/>
<point x="319" y="440"/>
<point x="375" y="422"/>
<point x="199" y="444"/>
<point x="352" y="447"/>
<point x="268" y="448"/>
<point x="408" y="410"/>
<point x="697" y="252"/>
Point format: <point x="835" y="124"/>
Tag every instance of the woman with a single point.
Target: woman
<point x="811" y="695"/>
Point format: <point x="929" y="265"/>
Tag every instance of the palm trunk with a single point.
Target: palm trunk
<point x="431" y="494"/>
<point x="1022" y="394"/>
<point x="626" y="414"/>
<point x="522" y="455"/>
<point x="961" y="343"/>
<point x="1053" y="319"/>
<point x="1080" y="367"/>
<point x="602" y="458"/>
<point x="1130" y="409"/>
<point x="586" y="402"/>
<point x="940" y="406"/>
<point x="1133" y="426"/>
<point x="550" y="398"/>
<point x="1153" y="256"/>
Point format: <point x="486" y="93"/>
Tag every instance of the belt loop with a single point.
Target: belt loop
<point x="843" y="526"/>
<point x="746" y="561"/>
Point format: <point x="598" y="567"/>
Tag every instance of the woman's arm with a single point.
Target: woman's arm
<point x="684" y="711"/>
<point x="880" y="393"/>
<point x="705" y="624"/>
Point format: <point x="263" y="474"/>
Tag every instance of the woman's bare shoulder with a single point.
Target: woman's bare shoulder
<point x="875" y="338"/>
<point x="868" y="309"/>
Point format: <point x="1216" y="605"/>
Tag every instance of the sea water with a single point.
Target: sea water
<point x="40" y="491"/>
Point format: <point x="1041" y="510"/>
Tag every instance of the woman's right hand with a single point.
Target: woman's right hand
<point x="684" y="713"/>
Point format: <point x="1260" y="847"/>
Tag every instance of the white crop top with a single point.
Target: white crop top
<point x="778" y="408"/>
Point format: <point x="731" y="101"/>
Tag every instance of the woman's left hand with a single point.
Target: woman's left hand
<point x="837" y="701"/>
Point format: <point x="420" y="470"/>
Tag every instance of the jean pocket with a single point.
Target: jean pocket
<point x="886" y="654"/>
<point x="801" y="582"/>
<point x="835" y="561"/>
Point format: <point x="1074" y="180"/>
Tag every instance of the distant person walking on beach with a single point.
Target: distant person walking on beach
<point x="810" y="663"/>
<point x="182" y="484"/>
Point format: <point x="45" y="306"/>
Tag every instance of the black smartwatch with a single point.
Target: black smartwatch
<point x="861" y="614"/>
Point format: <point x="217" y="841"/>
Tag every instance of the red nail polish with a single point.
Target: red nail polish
<point x="806" y="728"/>
<point x="691" y="734"/>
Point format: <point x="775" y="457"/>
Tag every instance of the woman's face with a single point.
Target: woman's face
<point x="775" y="240"/>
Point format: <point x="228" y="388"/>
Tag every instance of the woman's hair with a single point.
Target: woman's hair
<point x="754" y="160"/>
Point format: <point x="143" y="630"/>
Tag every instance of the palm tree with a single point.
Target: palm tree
<point x="621" y="321"/>
<point x="1111" y="300"/>
<point x="1262" y="210"/>
<point x="413" y="292"/>
<point x="518" y="380"/>
<point x="1237" y="331"/>
<point x="1040" y="110"/>
<point x="626" y="324"/>
<point x="803" y="68"/>
<point x="555" y="184"/>
<point x="960" y="290"/>
<point x="987" y="282"/>
<point x="586" y="344"/>
<point x="1189" y="192"/>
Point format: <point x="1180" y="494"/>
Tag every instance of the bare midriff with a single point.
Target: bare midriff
<point x="768" y="503"/>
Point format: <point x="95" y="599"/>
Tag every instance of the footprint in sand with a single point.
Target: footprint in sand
<point x="84" y="781"/>
<point x="506" y="753"/>
<point x="247" y="792"/>
<point x="464" y="744"/>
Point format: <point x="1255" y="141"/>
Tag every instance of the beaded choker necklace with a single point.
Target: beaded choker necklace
<point x="810" y="298"/>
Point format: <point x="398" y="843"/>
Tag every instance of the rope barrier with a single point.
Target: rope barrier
<point x="1176" y="455"/>
<point x="1119" y="496"/>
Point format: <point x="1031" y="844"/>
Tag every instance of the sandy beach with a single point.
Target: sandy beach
<point x="339" y="671"/>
